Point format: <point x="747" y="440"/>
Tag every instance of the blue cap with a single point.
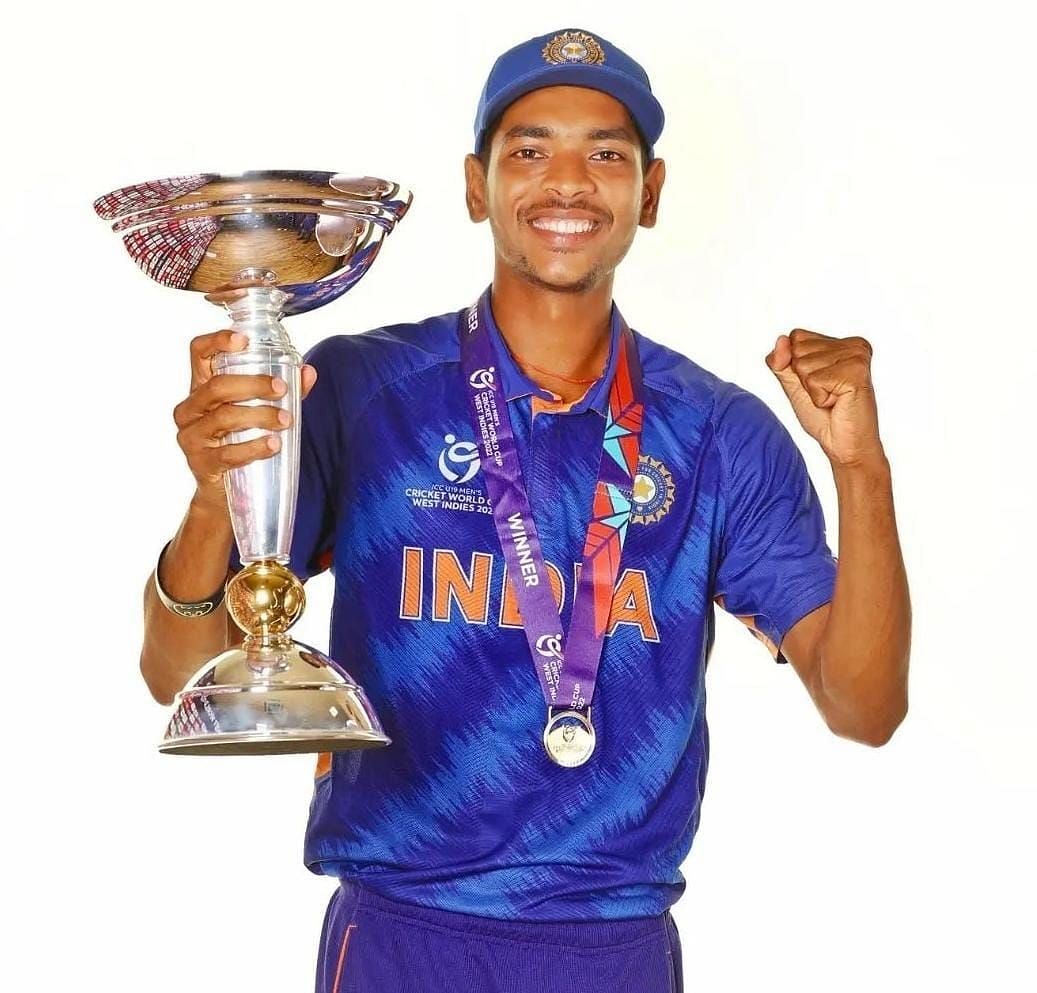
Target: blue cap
<point x="570" y="58"/>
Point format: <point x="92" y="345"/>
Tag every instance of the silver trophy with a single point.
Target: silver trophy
<point x="264" y="245"/>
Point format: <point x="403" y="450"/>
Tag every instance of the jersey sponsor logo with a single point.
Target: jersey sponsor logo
<point x="653" y="491"/>
<point x="459" y="460"/>
<point x="434" y="585"/>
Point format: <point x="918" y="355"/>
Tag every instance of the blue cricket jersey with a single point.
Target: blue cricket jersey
<point x="464" y="811"/>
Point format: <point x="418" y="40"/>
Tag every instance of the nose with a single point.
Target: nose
<point x="566" y="176"/>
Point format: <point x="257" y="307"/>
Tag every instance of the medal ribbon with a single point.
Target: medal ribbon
<point x="566" y="665"/>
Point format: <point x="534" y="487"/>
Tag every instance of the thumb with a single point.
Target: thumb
<point x="779" y="361"/>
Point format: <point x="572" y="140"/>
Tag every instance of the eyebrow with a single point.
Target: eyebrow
<point x="596" y="134"/>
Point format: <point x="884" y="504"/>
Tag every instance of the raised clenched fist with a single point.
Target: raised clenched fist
<point x="828" y="382"/>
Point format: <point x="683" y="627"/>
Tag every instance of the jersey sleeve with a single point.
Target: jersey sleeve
<point x="320" y="460"/>
<point x="774" y="564"/>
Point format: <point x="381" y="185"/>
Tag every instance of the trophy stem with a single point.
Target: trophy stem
<point x="262" y="495"/>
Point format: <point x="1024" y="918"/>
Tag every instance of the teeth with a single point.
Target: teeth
<point x="563" y="227"/>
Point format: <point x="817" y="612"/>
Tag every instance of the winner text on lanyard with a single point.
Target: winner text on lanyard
<point x="567" y="666"/>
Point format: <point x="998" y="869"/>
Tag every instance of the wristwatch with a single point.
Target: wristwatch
<point x="198" y="609"/>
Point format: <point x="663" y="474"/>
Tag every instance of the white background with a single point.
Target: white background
<point x="848" y="168"/>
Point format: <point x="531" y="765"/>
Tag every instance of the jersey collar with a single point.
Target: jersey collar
<point x="516" y="384"/>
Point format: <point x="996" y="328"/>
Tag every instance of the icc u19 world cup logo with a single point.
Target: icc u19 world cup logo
<point x="459" y="461"/>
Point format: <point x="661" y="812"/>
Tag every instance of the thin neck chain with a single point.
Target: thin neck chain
<point x="556" y="375"/>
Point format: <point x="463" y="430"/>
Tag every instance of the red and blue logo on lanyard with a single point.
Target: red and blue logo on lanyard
<point x="566" y="664"/>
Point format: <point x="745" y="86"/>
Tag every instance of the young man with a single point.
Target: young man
<point x="530" y="511"/>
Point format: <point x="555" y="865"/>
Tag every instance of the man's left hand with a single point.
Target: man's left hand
<point x="828" y="382"/>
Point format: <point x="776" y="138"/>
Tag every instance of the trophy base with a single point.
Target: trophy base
<point x="281" y="744"/>
<point x="285" y="698"/>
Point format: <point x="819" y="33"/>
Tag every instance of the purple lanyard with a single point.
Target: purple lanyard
<point x="567" y="666"/>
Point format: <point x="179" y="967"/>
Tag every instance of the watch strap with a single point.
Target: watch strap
<point x="199" y="608"/>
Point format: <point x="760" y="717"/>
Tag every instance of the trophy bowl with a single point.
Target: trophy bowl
<point x="263" y="245"/>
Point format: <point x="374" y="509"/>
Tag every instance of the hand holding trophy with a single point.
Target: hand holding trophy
<point x="263" y="245"/>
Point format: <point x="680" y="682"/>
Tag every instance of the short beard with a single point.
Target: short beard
<point x="586" y="282"/>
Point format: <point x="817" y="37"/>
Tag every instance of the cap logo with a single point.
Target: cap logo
<point x="573" y="46"/>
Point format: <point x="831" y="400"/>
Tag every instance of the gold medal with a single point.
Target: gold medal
<point x="569" y="737"/>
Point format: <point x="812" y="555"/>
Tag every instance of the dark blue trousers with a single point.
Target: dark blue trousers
<point x="371" y="944"/>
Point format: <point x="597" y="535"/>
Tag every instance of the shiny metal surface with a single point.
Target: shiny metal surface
<point x="262" y="495"/>
<point x="263" y="245"/>
<point x="569" y="737"/>
<point x="288" y="698"/>
<point x="317" y="232"/>
<point x="265" y="598"/>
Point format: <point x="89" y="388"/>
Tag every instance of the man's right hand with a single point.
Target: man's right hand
<point x="211" y="410"/>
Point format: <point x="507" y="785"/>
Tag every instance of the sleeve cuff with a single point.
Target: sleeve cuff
<point x="777" y="625"/>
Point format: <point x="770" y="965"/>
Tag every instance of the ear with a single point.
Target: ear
<point x="475" y="188"/>
<point x="653" y="185"/>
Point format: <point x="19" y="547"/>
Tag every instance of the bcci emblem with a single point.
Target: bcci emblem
<point x="653" y="491"/>
<point x="573" y="46"/>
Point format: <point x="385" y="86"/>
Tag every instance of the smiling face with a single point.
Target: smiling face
<point x="564" y="188"/>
